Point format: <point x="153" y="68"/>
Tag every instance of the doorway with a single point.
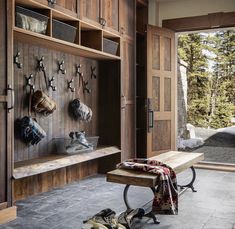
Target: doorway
<point x="206" y="94"/>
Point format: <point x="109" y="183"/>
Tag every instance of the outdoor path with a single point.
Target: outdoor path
<point x="219" y="144"/>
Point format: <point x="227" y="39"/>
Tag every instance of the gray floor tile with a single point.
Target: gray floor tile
<point x="212" y="206"/>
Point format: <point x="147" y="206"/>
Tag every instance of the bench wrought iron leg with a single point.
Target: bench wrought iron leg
<point x="153" y="217"/>
<point x="190" y="184"/>
<point x="148" y="215"/>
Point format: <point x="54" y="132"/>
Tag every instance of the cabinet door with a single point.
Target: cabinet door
<point x="110" y="13"/>
<point x="69" y="7"/>
<point x="161" y="90"/>
<point x="5" y="103"/>
<point x="90" y="11"/>
<point x="127" y="17"/>
<point x="128" y="100"/>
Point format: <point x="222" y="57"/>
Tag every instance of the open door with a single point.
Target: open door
<point x="161" y="90"/>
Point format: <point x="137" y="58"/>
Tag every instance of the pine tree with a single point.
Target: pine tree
<point x="191" y="50"/>
<point x="222" y="105"/>
<point x="211" y="96"/>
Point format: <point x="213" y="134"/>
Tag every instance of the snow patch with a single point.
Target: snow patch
<point x="228" y="130"/>
<point x="189" y="143"/>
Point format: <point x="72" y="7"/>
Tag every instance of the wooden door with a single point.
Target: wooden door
<point x="161" y="90"/>
<point x="90" y="11"/>
<point x="110" y="13"/>
<point x="6" y="114"/>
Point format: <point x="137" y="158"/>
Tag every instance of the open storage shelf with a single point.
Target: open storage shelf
<point x="88" y="39"/>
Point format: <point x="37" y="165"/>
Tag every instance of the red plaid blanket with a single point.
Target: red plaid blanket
<point x="165" y="201"/>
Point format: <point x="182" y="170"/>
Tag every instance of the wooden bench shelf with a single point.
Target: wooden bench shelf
<point x="52" y="162"/>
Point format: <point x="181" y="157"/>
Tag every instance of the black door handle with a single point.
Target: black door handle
<point x="151" y="117"/>
<point x="9" y="88"/>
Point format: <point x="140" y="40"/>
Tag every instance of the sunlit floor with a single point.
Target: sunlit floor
<point x="212" y="206"/>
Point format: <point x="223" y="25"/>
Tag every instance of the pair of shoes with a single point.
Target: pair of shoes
<point x="105" y="219"/>
<point x="126" y="218"/>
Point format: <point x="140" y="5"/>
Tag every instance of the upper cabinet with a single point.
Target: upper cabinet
<point x="127" y="18"/>
<point x="109" y="13"/>
<point x="103" y="13"/>
<point x="69" y="7"/>
<point x="90" y="11"/>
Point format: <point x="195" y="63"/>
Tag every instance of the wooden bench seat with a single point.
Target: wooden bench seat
<point x="52" y="162"/>
<point x="179" y="161"/>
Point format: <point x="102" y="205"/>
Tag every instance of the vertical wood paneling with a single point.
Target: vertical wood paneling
<point x="58" y="124"/>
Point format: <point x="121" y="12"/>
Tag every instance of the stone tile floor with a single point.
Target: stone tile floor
<point x="212" y="207"/>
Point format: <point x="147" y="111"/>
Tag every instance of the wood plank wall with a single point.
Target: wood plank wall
<point x="58" y="124"/>
<point x="47" y="181"/>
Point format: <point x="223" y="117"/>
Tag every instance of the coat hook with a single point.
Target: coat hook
<point x="29" y="81"/>
<point x="80" y="74"/>
<point x="41" y="66"/>
<point x="85" y="88"/>
<point x="50" y="82"/>
<point x="93" y="72"/>
<point x="17" y="60"/>
<point x="72" y="89"/>
<point x="62" y="68"/>
<point x="51" y="2"/>
<point x="102" y="21"/>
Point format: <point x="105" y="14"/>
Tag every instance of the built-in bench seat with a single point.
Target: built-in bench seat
<point x="52" y="162"/>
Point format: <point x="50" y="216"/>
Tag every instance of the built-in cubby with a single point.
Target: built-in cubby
<point x="69" y="33"/>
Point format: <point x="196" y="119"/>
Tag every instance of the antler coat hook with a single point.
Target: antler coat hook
<point x="50" y="82"/>
<point x="93" y="72"/>
<point x="62" y="68"/>
<point x="72" y="89"/>
<point x="80" y="74"/>
<point x="29" y="81"/>
<point x="85" y="87"/>
<point x="17" y="60"/>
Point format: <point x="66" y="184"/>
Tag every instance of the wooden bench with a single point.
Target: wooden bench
<point x="179" y="161"/>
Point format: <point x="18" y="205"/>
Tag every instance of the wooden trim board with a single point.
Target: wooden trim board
<point x="8" y="214"/>
<point x="53" y="162"/>
<point x="215" y="166"/>
<point x="210" y="21"/>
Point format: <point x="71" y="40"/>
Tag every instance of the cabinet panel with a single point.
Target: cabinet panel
<point x="90" y="10"/>
<point x="127" y="17"/>
<point x="128" y="89"/>
<point x="128" y="132"/>
<point x="110" y="12"/>
<point x="2" y="49"/>
<point x="3" y="152"/>
<point x="66" y="6"/>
